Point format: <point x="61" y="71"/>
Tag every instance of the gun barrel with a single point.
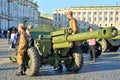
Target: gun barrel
<point x="118" y="36"/>
<point x="109" y="32"/>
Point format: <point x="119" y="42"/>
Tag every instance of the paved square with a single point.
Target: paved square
<point x="107" y="67"/>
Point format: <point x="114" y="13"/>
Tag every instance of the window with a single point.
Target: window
<point x="89" y="18"/>
<point x="111" y="13"/>
<point x="105" y="13"/>
<point x="89" y="13"/>
<point x="55" y="14"/>
<point x="117" y="13"/>
<point x="111" y="25"/>
<point x="117" y="19"/>
<point x="84" y="24"/>
<point x="95" y="19"/>
<point x="59" y="25"/>
<point x="74" y="13"/>
<point x="111" y="19"/>
<point x="100" y="25"/>
<point x="105" y="24"/>
<point x="100" y="18"/>
<point x="84" y="19"/>
<point x="100" y="13"/>
<point x="55" y="19"/>
<point x="58" y="19"/>
<point x="79" y="13"/>
<point x="59" y="14"/>
<point x="67" y="25"/>
<point x="95" y="13"/>
<point x="55" y="25"/>
<point x="105" y="18"/>
<point x="84" y="13"/>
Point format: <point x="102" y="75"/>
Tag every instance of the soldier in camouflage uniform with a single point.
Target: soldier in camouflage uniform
<point x="22" y="49"/>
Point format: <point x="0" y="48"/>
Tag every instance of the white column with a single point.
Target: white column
<point x="114" y="16"/>
<point x="97" y="17"/>
<point x="87" y="19"/>
<point x="81" y="16"/>
<point x="103" y="17"/>
<point x="108" y="16"/>
<point x="92" y="17"/>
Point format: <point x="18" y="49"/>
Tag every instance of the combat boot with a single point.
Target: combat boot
<point x="20" y="70"/>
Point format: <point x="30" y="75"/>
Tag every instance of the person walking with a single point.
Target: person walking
<point x="92" y="43"/>
<point x="12" y="40"/>
<point x="8" y="36"/>
<point x="22" y="49"/>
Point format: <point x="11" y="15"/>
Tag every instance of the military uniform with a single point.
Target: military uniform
<point x="22" y="47"/>
<point x="73" y="26"/>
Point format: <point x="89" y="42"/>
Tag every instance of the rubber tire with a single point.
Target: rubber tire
<point x="104" y="44"/>
<point x="85" y="48"/>
<point x="98" y="49"/>
<point x="34" y="58"/>
<point x="112" y="48"/>
<point x="77" y="61"/>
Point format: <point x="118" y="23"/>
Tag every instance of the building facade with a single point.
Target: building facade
<point x="13" y="12"/>
<point x="96" y="16"/>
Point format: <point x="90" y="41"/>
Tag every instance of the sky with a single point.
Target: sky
<point x="47" y="6"/>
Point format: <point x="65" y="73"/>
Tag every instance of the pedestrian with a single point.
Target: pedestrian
<point x="8" y="36"/>
<point x="92" y="43"/>
<point x="31" y="40"/>
<point x="22" y="49"/>
<point x="16" y="41"/>
<point x="12" y="40"/>
<point x="73" y="25"/>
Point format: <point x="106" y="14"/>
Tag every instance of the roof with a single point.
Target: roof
<point x="45" y="18"/>
<point x="96" y="6"/>
<point x="87" y="7"/>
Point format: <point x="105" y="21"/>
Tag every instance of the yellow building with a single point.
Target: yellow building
<point x="96" y="16"/>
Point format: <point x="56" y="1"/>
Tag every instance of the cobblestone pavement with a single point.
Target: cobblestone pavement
<point x="107" y="67"/>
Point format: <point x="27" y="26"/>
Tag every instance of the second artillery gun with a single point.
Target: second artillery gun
<point x="112" y="44"/>
<point x="57" y="48"/>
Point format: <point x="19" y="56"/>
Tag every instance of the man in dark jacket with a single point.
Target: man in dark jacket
<point x="31" y="40"/>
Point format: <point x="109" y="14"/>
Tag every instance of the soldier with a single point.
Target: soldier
<point x="73" y="25"/>
<point x="22" y="48"/>
<point x="72" y="22"/>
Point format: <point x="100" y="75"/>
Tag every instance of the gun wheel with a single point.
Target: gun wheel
<point x="33" y="62"/>
<point x="104" y="44"/>
<point x="98" y="49"/>
<point x="76" y="62"/>
<point x="113" y="48"/>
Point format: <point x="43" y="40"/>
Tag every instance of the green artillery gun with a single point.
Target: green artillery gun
<point x="58" y="48"/>
<point x="112" y="44"/>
